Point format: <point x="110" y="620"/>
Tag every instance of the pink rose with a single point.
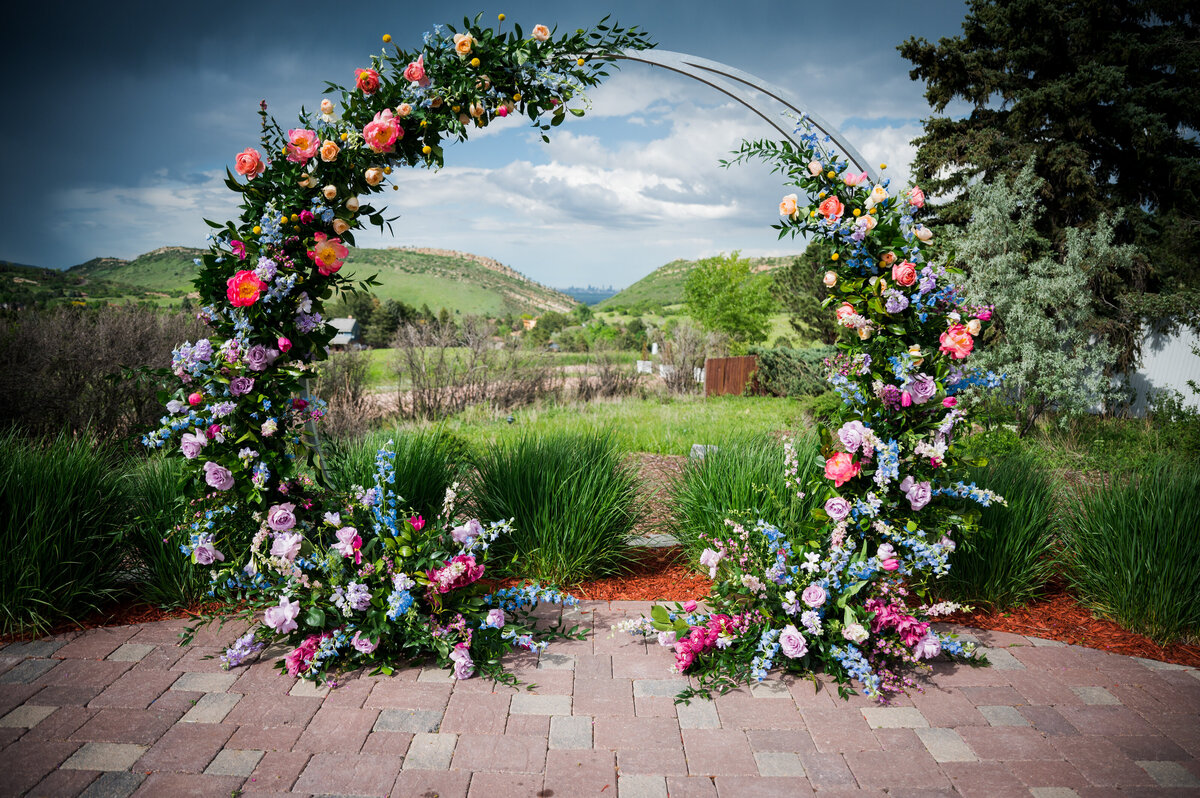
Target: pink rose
<point x="814" y="596"/>
<point x="302" y="145"/>
<point x="415" y="71"/>
<point x="904" y="273"/>
<point x="792" y="642"/>
<point x="832" y="208"/>
<point x="957" y="342"/>
<point x="841" y="468"/>
<point x="249" y="163"/>
<point x="689" y="606"/>
<point x="217" y="476"/>
<point x="916" y="197"/>
<point x="844" y="311"/>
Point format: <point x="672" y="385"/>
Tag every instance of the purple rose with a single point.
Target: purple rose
<point x="258" y="357"/>
<point x="281" y="517"/>
<point x="495" y="618"/>
<point x="813" y="595"/>
<point x="241" y="385"/>
<point x="919" y="494"/>
<point x="363" y="644"/>
<point x="838" y="508"/>
<point x="792" y="643"/>
<point x="922" y="387"/>
<point x="468" y="531"/>
<point x="218" y="476"/>
<point x="927" y="647"/>
<point x="851" y="435"/>
<point x="191" y="443"/>
<point x="287" y="546"/>
<point x="463" y="664"/>
<point x="282" y="618"/>
<point x="206" y="553"/>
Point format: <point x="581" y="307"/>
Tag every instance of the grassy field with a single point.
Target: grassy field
<point x="658" y="426"/>
<point x="381" y="371"/>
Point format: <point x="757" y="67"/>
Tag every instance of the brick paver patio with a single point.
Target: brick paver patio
<point x="123" y="711"/>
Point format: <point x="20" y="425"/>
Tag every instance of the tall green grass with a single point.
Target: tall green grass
<point x="428" y="461"/>
<point x="60" y="509"/>
<point x="158" y="572"/>
<point x="1008" y="561"/>
<point x="1132" y="548"/>
<point x="743" y="476"/>
<point x="572" y="499"/>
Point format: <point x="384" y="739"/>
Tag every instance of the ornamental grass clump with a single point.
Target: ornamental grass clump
<point x="61" y="508"/>
<point x="1132" y="547"/>
<point x="1009" y="559"/>
<point x="745" y="475"/>
<point x="572" y="501"/>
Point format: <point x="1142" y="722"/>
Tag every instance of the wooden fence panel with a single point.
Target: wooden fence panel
<point x="728" y="375"/>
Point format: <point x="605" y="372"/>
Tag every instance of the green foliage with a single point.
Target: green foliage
<point x="159" y="573"/>
<point x="428" y="461"/>
<point x="793" y="372"/>
<point x="743" y="479"/>
<point x="1045" y="333"/>
<point x="1103" y="94"/>
<point x="663" y="287"/>
<point x="1007" y="561"/>
<point x="572" y="500"/>
<point x="1131" y="550"/>
<point x="801" y="292"/>
<point x="724" y="295"/>
<point x="60" y="508"/>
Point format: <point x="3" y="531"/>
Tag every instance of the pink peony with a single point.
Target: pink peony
<point x="244" y="288"/>
<point x="957" y="342"/>
<point x="458" y="572"/>
<point x="328" y="253"/>
<point x="218" y="476"/>
<point x="366" y="80"/>
<point x="841" y="468"/>
<point x="302" y="145"/>
<point x="249" y="163"/>
<point x="381" y="133"/>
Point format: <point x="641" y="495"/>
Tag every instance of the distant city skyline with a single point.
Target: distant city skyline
<point x="122" y="124"/>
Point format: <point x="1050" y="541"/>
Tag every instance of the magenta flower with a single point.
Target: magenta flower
<point x="349" y="544"/>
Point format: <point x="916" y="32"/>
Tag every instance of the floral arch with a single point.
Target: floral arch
<point x="353" y="579"/>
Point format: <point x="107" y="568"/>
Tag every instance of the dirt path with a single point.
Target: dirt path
<point x="658" y="473"/>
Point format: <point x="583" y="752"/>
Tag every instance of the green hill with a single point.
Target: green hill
<point x="664" y="285"/>
<point x="439" y="278"/>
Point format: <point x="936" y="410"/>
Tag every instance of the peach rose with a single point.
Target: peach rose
<point x="367" y="80"/>
<point x="330" y="192"/>
<point x="302" y="145"/>
<point x="814" y="168"/>
<point x="329" y="151"/>
<point x="841" y="468"/>
<point x="957" y="342"/>
<point x="878" y="195"/>
<point x="403" y="110"/>
<point x="340" y="226"/>
<point x="462" y="43"/>
<point x="326" y="107"/>
<point x="787" y="206"/>
<point x="923" y="233"/>
<point x="352" y="204"/>
<point x="864" y="333"/>
<point x="888" y="258"/>
<point x="476" y="109"/>
<point x="540" y="33"/>
<point x="866" y="223"/>
<point x="904" y="273"/>
<point x="974" y="326"/>
<point x="832" y="208"/>
<point x="830" y="279"/>
<point x="373" y="176"/>
<point x="249" y="163"/>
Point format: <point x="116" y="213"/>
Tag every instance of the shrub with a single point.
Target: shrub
<point x="60" y="509"/>
<point x="160" y="573"/>
<point x="62" y="368"/>
<point x="572" y="500"/>
<point x="427" y="463"/>
<point x="342" y="382"/>
<point x="793" y="372"/>
<point x="1008" y="560"/>
<point x="1132" y="548"/>
<point x="742" y="479"/>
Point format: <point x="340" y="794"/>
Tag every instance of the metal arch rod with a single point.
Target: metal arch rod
<point x="704" y="70"/>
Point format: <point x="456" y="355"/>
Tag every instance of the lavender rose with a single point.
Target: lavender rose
<point x="258" y="357"/>
<point x="287" y="546"/>
<point x="667" y="639"/>
<point x="927" y="647"/>
<point x="281" y="517"/>
<point x="282" y="618"/>
<point x="191" y="443"/>
<point x="851" y="435"/>
<point x="922" y="387"/>
<point x="464" y="666"/>
<point x="363" y="644"/>
<point x="468" y="531"/>
<point x="218" y="476"/>
<point x="792" y="643"/>
<point x="495" y="618"/>
<point x="241" y="385"/>
<point x="206" y="553"/>
<point x="838" y="508"/>
<point x="919" y="494"/>
<point x="814" y="595"/>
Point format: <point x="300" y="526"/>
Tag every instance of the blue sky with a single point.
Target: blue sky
<point x="122" y="118"/>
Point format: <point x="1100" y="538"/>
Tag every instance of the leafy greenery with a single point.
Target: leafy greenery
<point x="1132" y="548"/>
<point x="1007" y="561"/>
<point x="793" y="372"/>
<point x="724" y="295"/>
<point x="742" y="479"/>
<point x="572" y="500"/>
<point x="663" y="287"/>
<point x="59" y="514"/>
<point x="800" y="290"/>
<point x="1103" y="94"/>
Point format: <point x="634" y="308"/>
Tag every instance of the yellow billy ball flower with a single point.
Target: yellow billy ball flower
<point x="395" y="188"/>
<point x="295" y="218"/>
<point x="474" y="62"/>
<point x="579" y="62"/>
<point x="858" y="211"/>
<point x="831" y="174"/>
<point x="345" y="136"/>
<point x="257" y="229"/>
<point x="424" y="123"/>
<point x="500" y="17"/>
<point x="883" y="166"/>
<point x="812" y="214"/>
<point x="517" y="97"/>
<point x="283" y="219"/>
<point x="821" y="195"/>
<point x="834" y="256"/>
<point x="296" y="228"/>
<point x="456" y="108"/>
<point x="387" y="37"/>
<point x="427" y="149"/>
<point x="387" y="170"/>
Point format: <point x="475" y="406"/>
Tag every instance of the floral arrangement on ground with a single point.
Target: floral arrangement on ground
<point x="347" y="580"/>
<point x="844" y="590"/>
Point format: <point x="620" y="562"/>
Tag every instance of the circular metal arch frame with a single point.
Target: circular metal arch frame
<point x="756" y="94"/>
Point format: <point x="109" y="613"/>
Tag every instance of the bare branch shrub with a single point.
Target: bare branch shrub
<point x="342" y="382"/>
<point x="64" y="368"/>
<point x="612" y="379"/>
<point x="682" y="354"/>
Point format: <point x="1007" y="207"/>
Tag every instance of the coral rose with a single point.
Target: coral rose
<point x="415" y="72"/>
<point x="844" y="311"/>
<point x="302" y="145"/>
<point x="832" y="208"/>
<point x="957" y="342"/>
<point x="540" y="33"/>
<point x="916" y="197"/>
<point x="328" y="253"/>
<point x="463" y="43"/>
<point x="841" y="468"/>
<point x="904" y="273"/>
<point x="243" y="289"/>
<point x="367" y="80"/>
<point x="787" y="206"/>
<point x="249" y="163"/>
<point x="329" y="151"/>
